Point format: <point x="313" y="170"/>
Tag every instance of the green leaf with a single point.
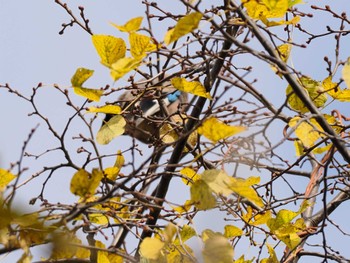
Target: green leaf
<point x="113" y="128"/>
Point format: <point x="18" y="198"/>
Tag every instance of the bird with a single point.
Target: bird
<point x="143" y="108"/>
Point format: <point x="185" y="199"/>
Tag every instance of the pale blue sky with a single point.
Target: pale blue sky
<point x="32" y="51"/>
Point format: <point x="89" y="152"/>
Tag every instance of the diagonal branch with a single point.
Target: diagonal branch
<point x="164" y="183"/>
<point x="293" y="82"/>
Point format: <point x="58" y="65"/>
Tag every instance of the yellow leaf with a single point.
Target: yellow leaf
<point x="112" y="172"/>
<point x="114" y="258"/>
<point x="264" y="9"/>
<point x="5" y="177"/>
<point x="267" y="8"/>
<point x="206" y="234"/>
<point x="261" y="219"/>
<point x="335" y="91"/>
<point x="299" y="148"/>
<point x="232" y="231"/>
<point x="119" y="162"/>
<point x="80" y="76"/>
<point x="217" y="249"/>
<point x="113" y="128"/>
<point x="218" y="181"/>
<point x="180" y="253"/>
<point x="25" y="258"/>
<point x="346" y="72"/>
<point x="102" y="257"/>
<point x="215" y="130"/>
<point x="284" y="52"/>
<point x="98" y="218"/>
<point x="91" y="94"/>
<point x="270" y="23"/>
<point x="201" y="196"/>
<point x="186" y="233"/>
<point x="294" y="2"/>
<point x="283" y="217"/>
<point x="315" y="91"/>
<point x="130" y="26"/>
<point x="169" y="232"/>
<point x="243" y="187"/>
<point x="109" y="48"/>
<point x="123" y="66"/>
<point x="242" y="260"/>
<point x="320" y="150"/>
<point x="272" y="258"/>
<point x="26" y="220"/>
<point x="84" y="184"/>
<point x="184" y="26"/>
<point x="191" y="174"/>
<point x="169" y="135"/>
<point x="283" y="227"/>
<point x="107" y="109"/>
<point x="184" y="208"/>
<point x="307" y="133"/>
<point x="257" y="219"/>
<point x="82" y="252"/>
<point x="151" y="248"/>
<point x="140" y="44"/>
<point x="193" y="87"/>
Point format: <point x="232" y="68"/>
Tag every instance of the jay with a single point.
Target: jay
<point x="145" y="114"/>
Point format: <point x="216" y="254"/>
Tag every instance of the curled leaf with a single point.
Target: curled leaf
<point x="123" y="66"/>
<point x="130" y="26"/>
<point x="91" y="94"/>
<point x="184" y="26"/>
<point x="193" y="87"/>
<point x="107" y="109"/>
<point x="80" y="76"/>
<point x="84" y="184"/>
<point x="110" y="130"/>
